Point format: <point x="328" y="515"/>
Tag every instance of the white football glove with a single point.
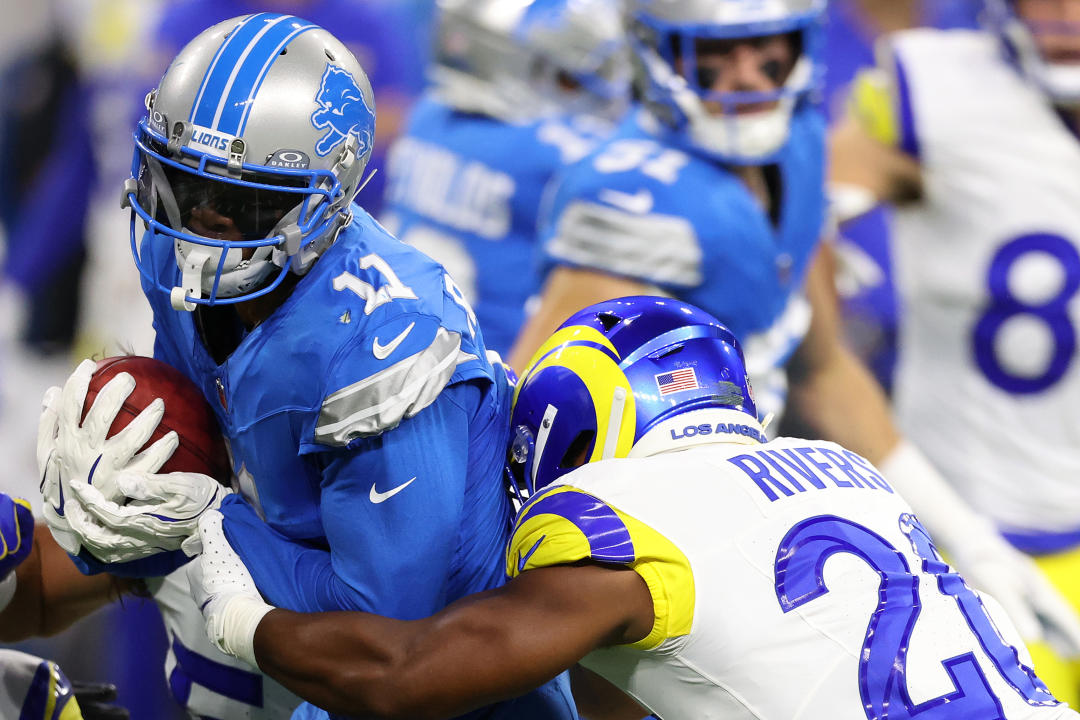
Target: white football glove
<point x="990" y="564"/>
<point x="984" y="558"/>
<point x="223" y="589"/>
<point x="88" y="479"/>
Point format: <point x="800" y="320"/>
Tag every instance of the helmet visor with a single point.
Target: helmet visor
<point x="205" y="205"/>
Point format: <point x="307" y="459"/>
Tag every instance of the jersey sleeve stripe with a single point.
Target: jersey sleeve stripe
<point x="909" y="139"/>
<point x="609" y="540"/>
<point x="381" y="401"/>
<point x="656" y="248"/>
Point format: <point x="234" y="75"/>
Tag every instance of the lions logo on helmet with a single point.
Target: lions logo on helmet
<point x="621" y="376"/>
<point x="343" y="110"/>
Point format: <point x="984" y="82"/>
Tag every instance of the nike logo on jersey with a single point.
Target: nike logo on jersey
<point x="378" y="497"/>
<point x="639" y="203"/>
<point x="524" y="559"/>
<point x="382" y="352"/>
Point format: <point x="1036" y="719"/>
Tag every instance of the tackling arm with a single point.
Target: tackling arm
<point x="51" y="593"/>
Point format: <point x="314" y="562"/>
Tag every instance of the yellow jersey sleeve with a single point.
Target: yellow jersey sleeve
<point x="564" y="525"/>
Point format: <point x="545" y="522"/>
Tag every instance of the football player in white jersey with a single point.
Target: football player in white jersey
<point x="667" y="546"/>
<point x="973" y="137"/>
<point x="712" y="192"/>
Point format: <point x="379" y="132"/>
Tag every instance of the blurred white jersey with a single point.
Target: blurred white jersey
<point x="790" y="582"/>
<point x="205" y="681"/>
<point x="988" y="263"/>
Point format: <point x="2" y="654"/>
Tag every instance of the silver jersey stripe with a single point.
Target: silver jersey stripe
<point x="381" y="401"/>
<point x="656" y="248"/>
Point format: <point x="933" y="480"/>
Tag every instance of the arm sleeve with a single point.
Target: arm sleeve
<point x="881" y="102"/>
<point x="391" y="510"/>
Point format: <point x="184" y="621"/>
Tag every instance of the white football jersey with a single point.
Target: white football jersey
<point x="988" y="264"/>
<point x="789" y="581"/>
<point x="205" y="681"/>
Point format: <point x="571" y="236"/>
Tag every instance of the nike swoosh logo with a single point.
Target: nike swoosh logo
<point x="639" y="203"/>
<point x="524" y="559"/>
<point x="381" y="351"/>
<point x="377" y="497"/>
<point x="60" y="510"/>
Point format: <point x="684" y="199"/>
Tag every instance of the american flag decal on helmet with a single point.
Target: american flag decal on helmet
<point x="677" y="381"/>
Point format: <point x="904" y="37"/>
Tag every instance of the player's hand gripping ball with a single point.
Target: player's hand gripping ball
<point x="130" y="455"/>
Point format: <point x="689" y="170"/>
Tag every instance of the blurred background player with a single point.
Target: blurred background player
<point x="972" y="137"/>
<point x="712" y="191"/>
<point x="517" y="90"/>
<point x="343" y="366"/>
<point x="864" y="280"/>
<point x="671" y="549"/>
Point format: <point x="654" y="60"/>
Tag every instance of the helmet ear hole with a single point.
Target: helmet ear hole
<point x="578" y="451"/>
<point x="608" y="320"/>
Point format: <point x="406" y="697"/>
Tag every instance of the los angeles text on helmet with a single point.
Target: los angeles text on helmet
<point x="720" y="428"/>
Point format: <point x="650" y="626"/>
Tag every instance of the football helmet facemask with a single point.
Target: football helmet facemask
<point x="249" y="157"/>
<point x="613" y="378"/>
<point x="667" y="38"/>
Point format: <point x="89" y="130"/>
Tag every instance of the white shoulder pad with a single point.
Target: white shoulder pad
<point x="381" y="401"/>
<point x="662" y="249"/>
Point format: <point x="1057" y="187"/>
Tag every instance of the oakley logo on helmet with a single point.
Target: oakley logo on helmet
<point x="292" y="159"/>
<point x="343" y="110"/>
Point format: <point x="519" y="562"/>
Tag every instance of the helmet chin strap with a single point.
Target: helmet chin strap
<point x="190" y="279"/>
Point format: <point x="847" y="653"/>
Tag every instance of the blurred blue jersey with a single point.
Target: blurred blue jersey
<point x="466" y="189"/>
<point x="638" y="207"/>
<point x="367" y="428"/>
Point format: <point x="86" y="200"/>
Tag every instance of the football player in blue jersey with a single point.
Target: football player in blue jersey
<point x="518" y="89"/>
<point x="366" y="424"/>
<point x="667" y="546"/>
<point x="712" y="191"/>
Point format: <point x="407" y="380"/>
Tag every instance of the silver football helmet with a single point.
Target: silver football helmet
<point x="517" y="60"/>
<point x="1061" y="81"/>
<point x="663" y="40"/>
<point x="250" y="154"/>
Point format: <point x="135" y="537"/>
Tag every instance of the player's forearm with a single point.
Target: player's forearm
<point x="51" y="594"/>
<point x="369" y="666"/>
<point x="843" y="402"/>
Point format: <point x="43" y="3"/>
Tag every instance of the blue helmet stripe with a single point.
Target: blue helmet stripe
<point x="245" y="73"/>
<point x="246" y="104"/>
<point x="217" y="74"/>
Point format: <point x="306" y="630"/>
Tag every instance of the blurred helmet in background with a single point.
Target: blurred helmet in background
<point x="1057" y="72"/>
<point x="667" y="38"/>
<point x="519" y="60"/>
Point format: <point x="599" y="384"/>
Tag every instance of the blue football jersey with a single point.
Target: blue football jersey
<point x="367" y="428"/>
<point x="466" y="189"/>
<point x="641" y="207"/>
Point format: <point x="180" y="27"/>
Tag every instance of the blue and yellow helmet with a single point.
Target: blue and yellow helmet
<point x="615" y="371"/>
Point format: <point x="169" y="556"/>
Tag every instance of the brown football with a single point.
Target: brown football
<point x="202" y="446"/>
